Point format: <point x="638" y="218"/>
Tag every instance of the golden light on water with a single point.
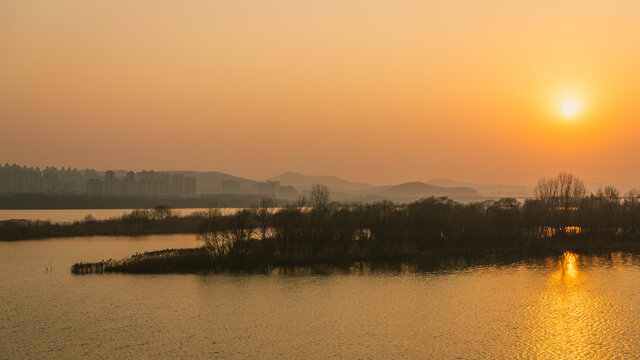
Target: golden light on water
<point x="567" y="314"/>
<point x="569" y="264"/>
<point x="567" y="272"/>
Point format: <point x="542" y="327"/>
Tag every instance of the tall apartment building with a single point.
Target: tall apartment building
<point x="268" y="188"/>
<point x="20" y="179"/>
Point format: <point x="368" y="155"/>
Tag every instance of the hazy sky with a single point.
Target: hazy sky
<point x="376" y="91"/>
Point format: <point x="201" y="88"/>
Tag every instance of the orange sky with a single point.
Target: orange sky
<point x="376" y="91"/>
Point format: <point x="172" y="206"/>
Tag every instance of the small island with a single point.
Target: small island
<point x="562" y="217"/>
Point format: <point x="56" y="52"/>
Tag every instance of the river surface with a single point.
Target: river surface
<point x="70" y="215"/>
<point x="567" y="307"/>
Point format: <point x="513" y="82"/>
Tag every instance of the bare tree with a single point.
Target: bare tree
<point x="564" y="190"/>
<point x="228" y="236"/>
<point x="632" y="197"/>
<point x="319" y="196"/>
<point x="608" y="194"/>
<point x="263" y="212"/>
<point x="300" y="203"/>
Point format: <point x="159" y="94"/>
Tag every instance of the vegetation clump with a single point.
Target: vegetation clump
<point x="561" y="217"/>
<point x="159" y="220"/>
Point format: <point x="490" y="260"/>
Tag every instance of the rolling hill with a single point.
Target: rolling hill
<point x="305" y="182"/>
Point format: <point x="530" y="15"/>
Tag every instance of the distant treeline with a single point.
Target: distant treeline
<point x="86" y="201"/>
<point x="160" y="220"/>
<point x="562" y="217"/>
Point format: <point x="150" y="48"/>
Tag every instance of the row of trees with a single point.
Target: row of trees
<point x="159" y="220"/>
<point x="562" y="213"/>
<point x="563" y="202"/>
<point x="566" y="190"/>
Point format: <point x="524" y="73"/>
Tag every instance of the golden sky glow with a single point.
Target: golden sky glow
<point x="377" y="91"/>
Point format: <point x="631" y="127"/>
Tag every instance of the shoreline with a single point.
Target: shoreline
<point x="199" y="261"/>
<point x="322" y="232"/>
<point x="18" y="230"/>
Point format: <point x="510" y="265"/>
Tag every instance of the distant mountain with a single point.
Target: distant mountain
<point x="305" y="182"/>
<point x="409" y="191"/>
<point x="343" y="190"/>
<point x="494" y="190"/>
<point x="211" y="182"/>
<point x="416" y="190"/>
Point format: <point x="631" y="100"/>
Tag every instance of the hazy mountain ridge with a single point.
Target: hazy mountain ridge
<point x="489" y="190"/>
<point x="211" y="182"/>
<point x="415" y="190"/>
<point x="305" y="182"/>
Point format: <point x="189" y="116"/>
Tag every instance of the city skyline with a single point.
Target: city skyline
<point x="23" y="179"/>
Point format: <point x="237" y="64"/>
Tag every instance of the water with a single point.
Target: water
<point x="555" y="308"/>
<point x="70" y="215"/>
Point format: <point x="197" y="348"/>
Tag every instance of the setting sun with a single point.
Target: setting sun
<point x="570" y="108"/>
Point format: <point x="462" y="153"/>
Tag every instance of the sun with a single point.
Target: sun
<point x="570" y="108"/>
<point x="570" y="104"/>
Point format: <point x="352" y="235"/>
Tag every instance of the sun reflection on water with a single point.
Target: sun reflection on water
<point x="568" y="267"/>
<point x="568" y="315"/>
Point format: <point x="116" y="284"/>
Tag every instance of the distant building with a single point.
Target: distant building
<point x="69" y="187"/>
<point x="95" y="187"/>
<point x="176" y="189"/>
<point x="288" y="193"/>
<point x="230" y="187"/>
<point x="16" y="179"/>
<point x="129" y="185"/>
<point x="51" y="183"/>
<point x="190" y="186"/>
<point x="268" y="188"/>
<point x="149" y="184"/>
<point x="20" y="179"/>
<point x="163" y="185"/>
<point x="111" y="184"/>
